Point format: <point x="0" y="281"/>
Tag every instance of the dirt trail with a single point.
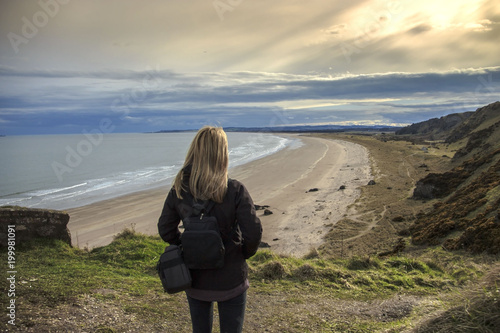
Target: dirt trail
<point x="375" y="218"/>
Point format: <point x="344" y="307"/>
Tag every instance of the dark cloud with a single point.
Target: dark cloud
<point x="421" y="28"/>
<point x="71" y="100"/>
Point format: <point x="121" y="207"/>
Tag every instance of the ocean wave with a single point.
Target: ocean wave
<point x="256" y="148"/>
<point x="92" y="190"/>
<point x="54" y="190"/>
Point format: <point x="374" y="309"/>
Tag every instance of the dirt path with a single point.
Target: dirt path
<point x="365" y="219"/>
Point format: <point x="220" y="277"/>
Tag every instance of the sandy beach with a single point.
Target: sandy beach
<point x="300" y="185"/>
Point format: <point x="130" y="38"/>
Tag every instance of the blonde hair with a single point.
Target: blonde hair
<point x="208" y="157"/>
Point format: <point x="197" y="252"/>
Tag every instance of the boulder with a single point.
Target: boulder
<point x="267" y="212"/>
<point x="33" y="223"/>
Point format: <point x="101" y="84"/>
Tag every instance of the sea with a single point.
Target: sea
<point x="68" y="171"/>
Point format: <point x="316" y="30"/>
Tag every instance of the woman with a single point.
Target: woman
<point x="204" y="176"/>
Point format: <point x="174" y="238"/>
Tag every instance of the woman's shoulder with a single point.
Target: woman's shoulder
<point x="235" y="187"/>
<point x="234" y="183"/>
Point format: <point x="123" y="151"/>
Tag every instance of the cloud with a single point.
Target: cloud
<point x="278" y="36"/>
<point x="152" y="98"/>
<point x="174" y="64"/>
<point x="421" y="28"/>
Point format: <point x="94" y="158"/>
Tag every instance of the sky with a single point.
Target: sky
<point x="74" y="66"/>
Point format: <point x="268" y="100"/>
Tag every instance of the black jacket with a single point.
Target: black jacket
<point x="236" y="211"/>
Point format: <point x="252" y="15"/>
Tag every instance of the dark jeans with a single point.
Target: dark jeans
<point x="231" y="314"/>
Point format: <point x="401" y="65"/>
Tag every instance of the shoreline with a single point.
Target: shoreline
<point x="281" y="181"/>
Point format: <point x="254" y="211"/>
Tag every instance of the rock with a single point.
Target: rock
<point x="371" y="182"/>
<point x="259" y="207"/>
<point x="267" y="212"/>
<point x="264" y="245"/>
<point x="424" y="190"/>
<point x="342" y="187"/>
<point x="398" y="219"/>
<point x="313" y="190"/>
<point x="33" y="223"/>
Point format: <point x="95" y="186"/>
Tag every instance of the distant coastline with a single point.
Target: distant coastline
<point x="303" y="129"/>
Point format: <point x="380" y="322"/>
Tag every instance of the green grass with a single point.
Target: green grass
<point x="370" y="277"/>
<point x="51" y="273"/>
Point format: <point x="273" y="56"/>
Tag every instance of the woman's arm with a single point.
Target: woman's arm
<point x="168" y="223"/>
<point x="249" y="223"/>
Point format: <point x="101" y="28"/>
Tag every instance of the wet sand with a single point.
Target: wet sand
<point x="283" y="181"/>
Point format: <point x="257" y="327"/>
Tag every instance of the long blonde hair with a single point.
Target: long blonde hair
<point x="208" y="157"/>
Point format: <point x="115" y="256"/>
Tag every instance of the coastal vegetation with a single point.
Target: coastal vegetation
<point x="417" y="252"/>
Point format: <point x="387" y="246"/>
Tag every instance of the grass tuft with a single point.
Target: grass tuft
<point x="475" y="310"/>
<point x="273" y="270"/>
<point x="358" y="263"/>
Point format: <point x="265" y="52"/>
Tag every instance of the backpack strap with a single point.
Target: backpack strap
<point x="209" y="206"/>
<point x="199" y="209"/>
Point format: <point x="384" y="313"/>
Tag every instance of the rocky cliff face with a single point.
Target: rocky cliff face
<point x="33" y="223"/>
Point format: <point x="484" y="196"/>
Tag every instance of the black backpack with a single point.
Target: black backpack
<point x="202" y="244"/>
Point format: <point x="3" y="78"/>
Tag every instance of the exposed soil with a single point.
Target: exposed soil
<point x="280" y="312"/>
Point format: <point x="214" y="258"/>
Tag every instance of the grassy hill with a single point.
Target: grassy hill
<point x="436" y="128"/>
